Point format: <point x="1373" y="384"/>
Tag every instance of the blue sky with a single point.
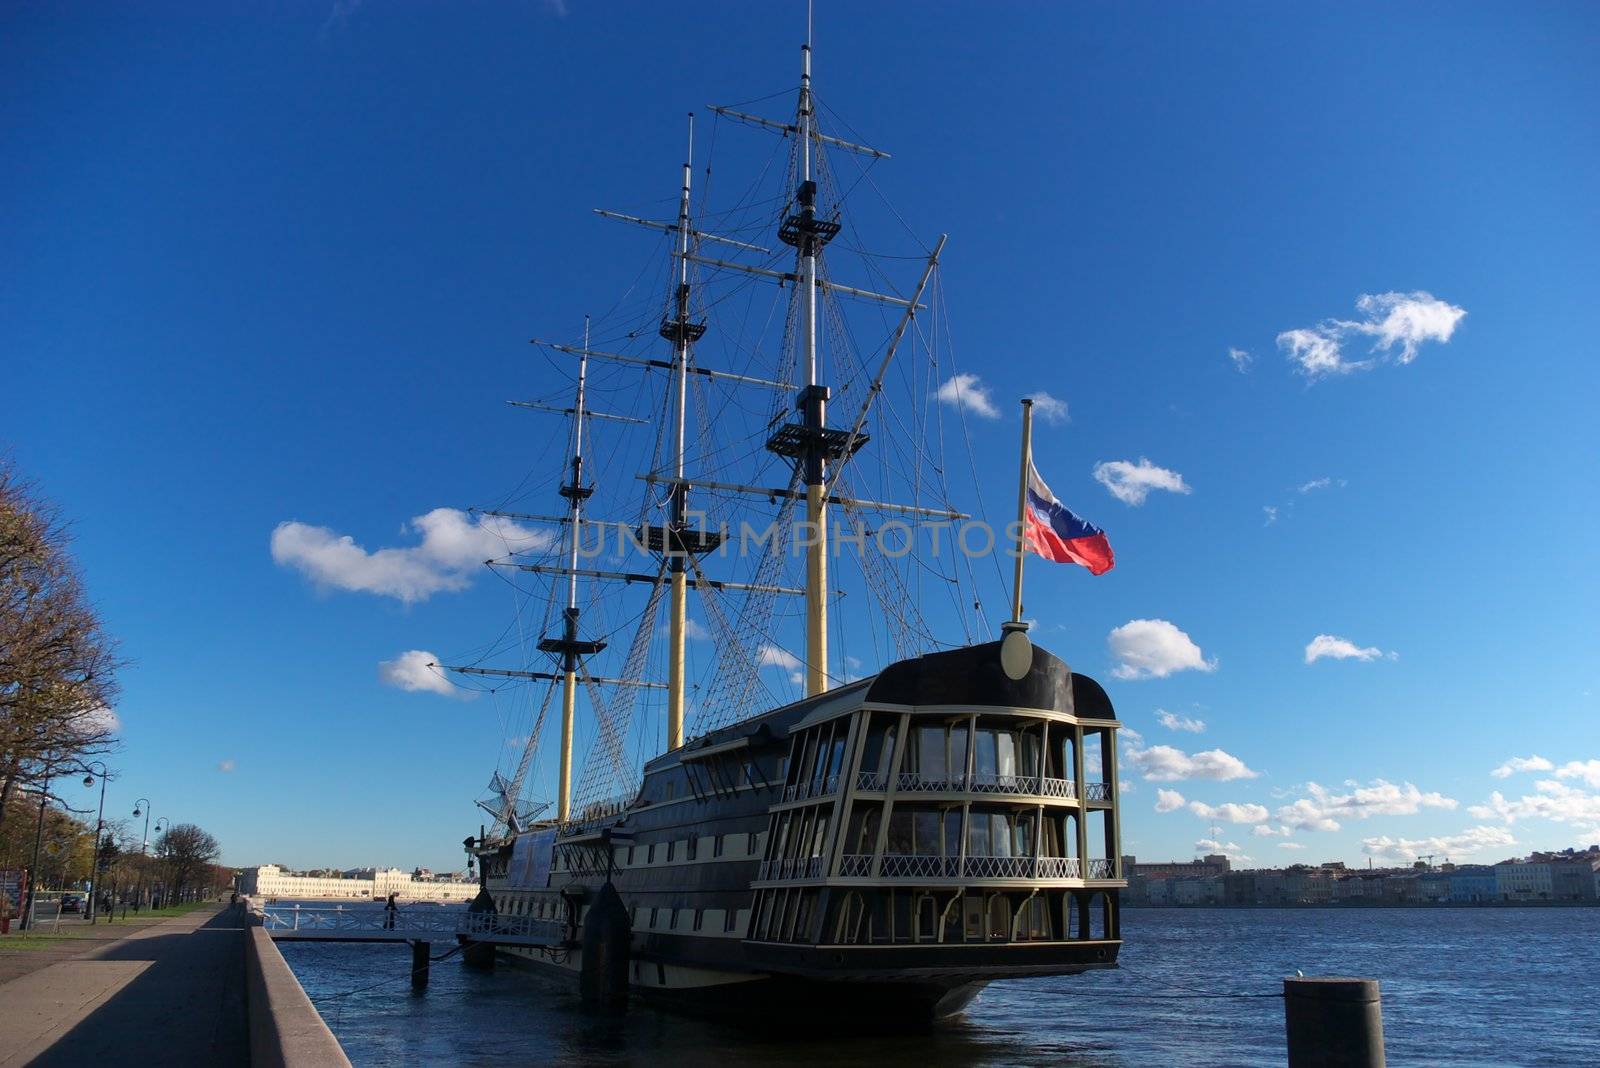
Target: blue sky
<point x="262" y="269"/>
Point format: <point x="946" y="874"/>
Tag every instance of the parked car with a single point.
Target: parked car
<point x="72" y="902"/>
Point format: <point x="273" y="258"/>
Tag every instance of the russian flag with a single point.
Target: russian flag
<point x="1055" y="533"/>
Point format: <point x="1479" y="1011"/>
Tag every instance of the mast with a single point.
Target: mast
<point x="681" y="332"/>
<point x="813" y="402"/>
<point x="1022" y="508"/>
<point x="575" y="494"/>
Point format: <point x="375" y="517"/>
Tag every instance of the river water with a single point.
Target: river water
<point x="1478" y="987"/>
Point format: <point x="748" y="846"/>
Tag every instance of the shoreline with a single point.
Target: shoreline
<point x="1335" y="906"/>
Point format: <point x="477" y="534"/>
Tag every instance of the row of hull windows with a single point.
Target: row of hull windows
<point x="940" y="831"/>
<point x="743" y="771"/>
<point x="923" y="917"/>
<point x="743" y="844"/>
<point x="986" y="750"/>
<point x="817" y="756"/>
<point x="543" y="908"/>
<point x="654" y="918"/>
<point x="687" y="920"/>
<point x="679" y="850"/>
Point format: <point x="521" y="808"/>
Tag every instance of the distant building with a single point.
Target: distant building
<point x="1307" y="886"/>
<point x="1213" y="864"/>
<point x="1433" y="887"/>
<point x="1570" y="875"/>
<point x="1473" y="884"/>
<point x="270" y="880"/>
<point x="1517" y="880"/>
<point x="1573" y="880"/>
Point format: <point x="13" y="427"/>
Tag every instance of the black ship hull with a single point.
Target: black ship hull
<point x="885" y="850"/>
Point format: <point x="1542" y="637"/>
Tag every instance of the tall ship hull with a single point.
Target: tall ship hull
<point x="895" y="844"/>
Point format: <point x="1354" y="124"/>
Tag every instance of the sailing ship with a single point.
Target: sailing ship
<point x="885" y="844"/>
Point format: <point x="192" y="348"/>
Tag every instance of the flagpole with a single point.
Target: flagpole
<point x="1022" y="507"/>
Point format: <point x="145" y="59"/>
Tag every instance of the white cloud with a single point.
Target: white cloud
<point x="1261" y="830"/>
<point x="1179" y="723"/>
<point x="1516" y="764"/>
<point x="1588" y="771"/>
<point x="1271" y="514"/>
<point x="1317" y="352"/>
<point x="225" y="765"/>
<point x="773" y="656"/>
<point x="1323" y="809"/>
<point x="969" y="393"/>
<point x="1335" y="648"/>
<point x="1229" y="849"/>
<point x="1317" y="484"/>
<point x="1554" y="801"/>
<point x="1231" y="812"/>
<point x="1241" y="359"/>
<point x="693" y="630"/>
<point x="1470" y="841"/>
<point x="1052" y="410"/>
<point x="453" y="546"/>
<point x="1163" y="763"/>
<point x="1131" y="483"/>
<point x="1306" y="815"/>
<point x="1406" y="320"/>
<point x="417" y="671"/>
<point x="1154" y="649"/>
<point x="1291" y="845"/>
<point x="1392" y="320"/>
<point x="1168" y="800"/>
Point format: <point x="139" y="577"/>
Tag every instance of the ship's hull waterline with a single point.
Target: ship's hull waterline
<point x="884" y="851"/>
<point x="880" y="997"/>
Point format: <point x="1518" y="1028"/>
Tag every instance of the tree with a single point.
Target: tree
<point x="57" y="663"/>
<point x="187" y="852"/>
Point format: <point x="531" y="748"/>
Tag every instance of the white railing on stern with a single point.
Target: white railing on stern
<point x="999" y="867"/>
<point x="874" y="781"/>
<point x="908" y="866"/>
<point x="855" y="865"/>
<point x="1058" y="867"/>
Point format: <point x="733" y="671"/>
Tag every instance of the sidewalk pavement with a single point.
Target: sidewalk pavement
<point x="171" y="993"/>
<point x="73" y="938"/>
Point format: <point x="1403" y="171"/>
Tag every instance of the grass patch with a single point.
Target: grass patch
<point x="152" y="913"/>
<point x="21" y="942"/>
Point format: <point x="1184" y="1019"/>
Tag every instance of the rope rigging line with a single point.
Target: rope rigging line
<point x="606" y="772"/>
<point x="529" y="750"/>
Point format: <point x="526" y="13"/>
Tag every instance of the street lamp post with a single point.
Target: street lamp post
<point x="144" y="848"/>
<point x="99" y="829"/>
<point x="160" y="830"/>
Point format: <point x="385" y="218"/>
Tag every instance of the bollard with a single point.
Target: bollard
<point x="419" y="964"/>
<point x="481" y="913"/>
<point x="607" y="945"/>
<point x="1333" y="1022"/>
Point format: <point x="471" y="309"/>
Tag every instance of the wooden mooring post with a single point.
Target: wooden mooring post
<point x="1333" y="1022"/>
<point x="419" y="963"/>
